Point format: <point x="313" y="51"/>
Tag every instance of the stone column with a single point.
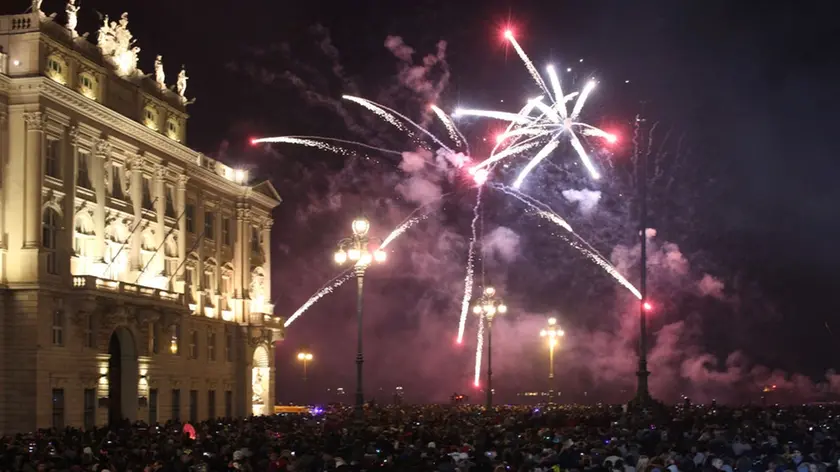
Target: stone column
<point x="241" y="259"/>
<point x="33" y="175"/>
<point x="70" y="171"/>
<point x="160" y="211"/>
<point x="4" y="149"/>
<point x="266" y="266"/>
<point x="135" y="167"/>
<point x="102" y="152"/>
<point x="182" y="226"/>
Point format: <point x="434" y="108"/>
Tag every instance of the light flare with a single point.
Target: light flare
<point x="479" y="349"/>
<point x="542" y="154"/>
<point x="469" y="277"/>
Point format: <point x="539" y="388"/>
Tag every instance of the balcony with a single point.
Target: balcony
<point x="267" y="321"/>
<point x="89" y="282"/>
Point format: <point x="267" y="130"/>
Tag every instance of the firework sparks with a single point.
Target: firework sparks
<point x="479" y="348"/>
<point x="551" y="122"/>
<point x="323" y="143"/>
<point x="324" y="291"/>
<point x="454" y="133"/>
<point x="469" y="278"/>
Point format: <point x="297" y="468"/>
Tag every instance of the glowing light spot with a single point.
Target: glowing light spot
<point x="254" y="141"/>
<point x="612" y="139"/>
<point x="508" y="34"/>
<point x="647" y="306"/>
<point x="480" y="176"/>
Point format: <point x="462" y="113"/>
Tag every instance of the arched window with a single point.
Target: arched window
<point x="56" y="68"/>
<point x="172" y="129"/>
<point x="51" y="225"/>
<point x="84" y="235"/>
<point x="88" y="85"/>
<point x="150" y="117"/>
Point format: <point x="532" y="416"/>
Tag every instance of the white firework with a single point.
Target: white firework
<point x="542" y="123"/>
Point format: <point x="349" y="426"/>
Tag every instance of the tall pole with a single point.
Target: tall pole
<point x="304" y="369"/>
<point x="489" y="364"/>
<point x="360" y="396"/>
<point x="551" y="344"/>
<point x="642" y="393"/>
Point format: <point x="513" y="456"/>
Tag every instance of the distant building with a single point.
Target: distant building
<point x="135" y="272"/>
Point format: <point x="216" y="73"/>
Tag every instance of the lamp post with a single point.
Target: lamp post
<point x="642" y="392"/>
<point x="552" y="332"/>
<point x="305" y="357"/>
<point x="487" y="307"/>
<point x="358" y="250"/>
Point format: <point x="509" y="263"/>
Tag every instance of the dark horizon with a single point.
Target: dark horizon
<point x="742" y="103"/>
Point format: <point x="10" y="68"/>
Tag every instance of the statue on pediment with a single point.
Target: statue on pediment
<point x="160" y="75"/>
<point x="181" y="84"/>
<point x="116" y="43"/>
<point x="72" y="17"/>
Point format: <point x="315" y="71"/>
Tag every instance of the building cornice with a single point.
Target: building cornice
<point x="187" y="158"/>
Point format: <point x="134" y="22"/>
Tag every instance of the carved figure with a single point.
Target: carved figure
<point x="160" y="76"/>
<point x="256" y="386"/>
<point x="257" y="287"/>
<point x="72" y="17"/>
<point x="181" y="84"/>
<point x="116" y="44"/>
<point x="36" y="5"/>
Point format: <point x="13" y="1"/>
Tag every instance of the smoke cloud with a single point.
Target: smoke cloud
<point x="412" y="302"/>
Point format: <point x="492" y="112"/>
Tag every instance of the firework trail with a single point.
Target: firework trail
<point x="479" y="348"/>
<point x="378" y="111"/>
<point x="544" y="211"/>
<point x="370" y="105"/>
<point x="322" y="143"/>
<point x="402" y="228"/>
<point x="468" y="279"/>
<point x="528" y="64"/>
<point x="454" y="133"/>
<point x="328" y="288"/>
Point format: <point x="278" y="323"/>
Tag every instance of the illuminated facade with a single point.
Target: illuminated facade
<point x="135" y="271"/>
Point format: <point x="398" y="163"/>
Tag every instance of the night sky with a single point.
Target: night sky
<point x="739" y="106"/>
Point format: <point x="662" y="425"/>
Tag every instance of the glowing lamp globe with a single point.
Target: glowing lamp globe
<point x="366" y="259"/>
<point x="354" y="254"/>
<point x="552" y="321"/>
<point x="361" y="226"/>
<point x="477" y="309"/>
<point x="489" y="291"/>
<point x="543" y="333"/>
<point x="379" y="255"/>
<point x="340" y="257"/>
<point x="502" y="309"/>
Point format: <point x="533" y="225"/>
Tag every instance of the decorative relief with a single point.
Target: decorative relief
<point x="34" y="120"/>
<point x="160" y="172"/>
<point x="74" y="136"/>
<point x="182" y="180"/>
<point x="101" y="147"/>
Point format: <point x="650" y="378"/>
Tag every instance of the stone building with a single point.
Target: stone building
<point x="134" y="272"/>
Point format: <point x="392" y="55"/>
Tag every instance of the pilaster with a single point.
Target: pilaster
<point x="241" y="260"/>
<point x="101" y="152"/>
<point x="33" y="180"/>
<point x="135" y="190"/>
<point x="265" y="239"/>
<point x="160" y="212"/>
<point x="182" y="228"/>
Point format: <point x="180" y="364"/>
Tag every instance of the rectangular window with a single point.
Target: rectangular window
<point x="211" y="404"/>
<point x="193" y="406"/>
<point x="211" y="346"/>
<point x="209" y="225"/>
<point x="83" y="172"/>
<point x="228" y="404"/>
<point x="58" y="408"/>
<point x="229" y="344"/>
<point x="189" y="215"/>
<point x="154" y="338"/>
<point x="58" y="328"/>
<point x="117" y="173"/>
<point x="207" y="283"/>
<point x="176" y="404"/>
<point x="194" y="345"/>
<point x="52" y="158"/>
<point x="170" y="201"/>
<point x="89" y="409"/>
<point x="90" y="333"/>
<point x="147" y="193"/>
<point x="255" y="239"/>
<point x="153" y="406"/>
<point x="226" y="231"/>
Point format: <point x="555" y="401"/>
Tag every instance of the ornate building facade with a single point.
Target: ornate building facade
<point x="134" y="272"/>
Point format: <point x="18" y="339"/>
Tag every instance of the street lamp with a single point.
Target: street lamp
<point x="359" y="250"/>
<point x="552" y="332"/>
<point x="304" y="357"/>
<point x="487" y="307"/>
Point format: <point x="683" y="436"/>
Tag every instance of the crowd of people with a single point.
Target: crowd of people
<point x="455" y="438"/>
